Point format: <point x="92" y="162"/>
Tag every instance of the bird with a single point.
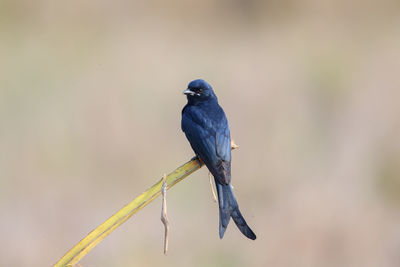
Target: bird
<point x="206" y="127"/>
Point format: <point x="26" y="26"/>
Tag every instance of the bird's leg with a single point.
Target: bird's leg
<point x="164" y="217"/>
<point x="212" y="187"/>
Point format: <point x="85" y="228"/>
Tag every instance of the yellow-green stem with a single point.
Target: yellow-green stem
<point x="97" y="235"/>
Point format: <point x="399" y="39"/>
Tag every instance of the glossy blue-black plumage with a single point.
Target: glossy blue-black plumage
<point x="207" y="129"/>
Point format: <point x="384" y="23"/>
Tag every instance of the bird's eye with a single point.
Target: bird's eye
<point x="198" y="91"/>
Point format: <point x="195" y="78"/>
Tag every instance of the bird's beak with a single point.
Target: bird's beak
<point x="188" y="92"/>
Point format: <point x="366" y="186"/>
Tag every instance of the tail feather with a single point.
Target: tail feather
<point x="228" y="208"/>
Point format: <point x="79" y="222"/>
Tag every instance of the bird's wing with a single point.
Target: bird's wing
<point x="223" y="140"/>
<point x="208" y="141"/>
<point x="201" y="135"/>
<point x="223" y="149"/>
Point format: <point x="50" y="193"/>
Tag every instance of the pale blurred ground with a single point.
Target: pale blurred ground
<point x="90" y="102"/>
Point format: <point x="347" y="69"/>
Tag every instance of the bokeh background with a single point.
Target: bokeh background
<point x="90" y="102"/>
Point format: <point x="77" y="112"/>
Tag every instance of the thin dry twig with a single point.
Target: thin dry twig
<point x="212" y="187"/>
<point x="164" y="217"/>
<point x="233" y="145"/>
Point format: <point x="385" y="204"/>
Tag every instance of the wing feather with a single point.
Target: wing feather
<point x="209" y="141"/>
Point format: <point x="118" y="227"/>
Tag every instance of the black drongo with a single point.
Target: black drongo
<point x="206" y="127"/>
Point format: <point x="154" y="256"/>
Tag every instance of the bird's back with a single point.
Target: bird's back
<point x="207" y="130"/>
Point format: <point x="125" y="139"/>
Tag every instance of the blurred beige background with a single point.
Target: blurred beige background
<point x="90" y="102"/>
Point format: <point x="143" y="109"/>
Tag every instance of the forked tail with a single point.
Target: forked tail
<point x="228" y="207"/>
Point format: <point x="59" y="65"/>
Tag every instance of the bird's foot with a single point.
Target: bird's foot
<point x="198" y="160"/>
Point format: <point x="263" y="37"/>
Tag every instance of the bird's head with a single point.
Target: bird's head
<point x="199" y="90"/>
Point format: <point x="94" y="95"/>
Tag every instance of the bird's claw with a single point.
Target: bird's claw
<point x="198" y="160"/>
